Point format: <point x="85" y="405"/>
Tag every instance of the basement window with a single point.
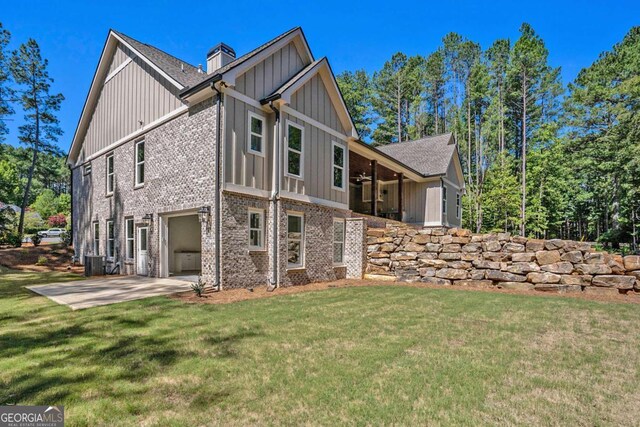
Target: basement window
<point x="457" y="205"/>
<point x="444" y="199"/>
<point x="96" y="238"/>
<point x="338" y="241"/>
<point x="256" y="229"/>
<point x="111" y="240"/>
<point x="295" y="240"/>
<point x="128" y="225"/>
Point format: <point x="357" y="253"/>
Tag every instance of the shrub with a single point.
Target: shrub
<point x="36" y="239"/>
<point x="41" y="260"/>
<point x="57" y="221"/>
<point x="13" y="239"/>
<point x="198" y="287"/>
<point x="66" y="238"/>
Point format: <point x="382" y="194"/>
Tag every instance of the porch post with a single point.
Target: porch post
<point x="374" y="188"/>
<point x="400" y="191"/>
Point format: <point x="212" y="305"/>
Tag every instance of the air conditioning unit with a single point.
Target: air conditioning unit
<point x="93" y="265"/>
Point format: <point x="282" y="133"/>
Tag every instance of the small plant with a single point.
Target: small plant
<point x="36" y="239"/>
<point x="41" y="260"/>
<point x="14" y="239"/>
<point x="198" y="287"/>
<point x="66" y="238"/>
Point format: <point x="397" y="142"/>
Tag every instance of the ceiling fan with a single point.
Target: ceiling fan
<point x="362" y="178"/>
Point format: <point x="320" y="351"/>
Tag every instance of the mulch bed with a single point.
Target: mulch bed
<point x="227" y="296"/>
<point x="25" y="258"/>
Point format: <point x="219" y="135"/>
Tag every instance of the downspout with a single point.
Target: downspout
<point x="274" y="280"/>
<point x="217" y="284"/>
<point x="75" y="251"/>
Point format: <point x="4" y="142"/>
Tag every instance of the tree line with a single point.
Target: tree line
<point x="540" y="159"/>
<point x="33" y="174"/>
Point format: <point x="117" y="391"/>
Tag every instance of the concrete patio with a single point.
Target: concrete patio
<point x="98" y="291"/>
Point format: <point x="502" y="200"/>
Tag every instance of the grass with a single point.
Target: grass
<point x="379" y="355"/>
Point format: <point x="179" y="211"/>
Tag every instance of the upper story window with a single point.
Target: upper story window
<point x="295" y="139"/>
<point x="457" y="205"/>
<point x="139" y="153"/>
<point x="295" y="240"/>
<point x="111" y="181"/>
<point x="256" y="134"/>
<point x="444" y="199"/>
<point x="338" y="166"/>
<point x="338" y="241"/>
<point x="256" y="229"/>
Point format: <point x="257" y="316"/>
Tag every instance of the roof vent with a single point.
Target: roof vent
<point x="219" y="56"/>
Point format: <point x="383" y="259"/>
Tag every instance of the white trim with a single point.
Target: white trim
<point x="118" y="69"/>
<point x="242" y="97"/>
<point x="288" y="148"/>
<point x="302" y="240"/>
<point x="334" y="166"/>
<point x="250" y="191"/>
<point x="432" y="224"/>
<point x="260" y="229"/>
<point x="151" y="64"/>
<point x="313" y="200"/>
<point x="343" y="242"/>
<point x="298" y="115"/>
<point x="96" y="238"/>
<point x="127" y="239"/>
<point x="444" y="199"/>
<point x="169" y="116"/>
<point x="250" y="133"/>
<point x="453" y="184"/>
<point x="113" y="174"/>
<point x="458" y="205"/>
<point x="137" y="183"/>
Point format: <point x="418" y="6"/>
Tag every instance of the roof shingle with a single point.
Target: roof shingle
<point x="429" y="156"/>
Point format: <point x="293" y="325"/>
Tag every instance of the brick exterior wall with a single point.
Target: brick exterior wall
<point x="355" y="257"/>
<point x="179" y="160"/>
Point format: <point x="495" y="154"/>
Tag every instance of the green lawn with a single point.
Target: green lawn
<point x="379" y="355"/>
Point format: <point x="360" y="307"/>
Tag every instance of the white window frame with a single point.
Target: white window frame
<point x="250" y="133"/>
<point x="137" y="182"/>
<point x="129" y="239"/>
<point x="96" y="238"/>
<point x="342" y="242"/>
<point x="111" y="240"/>
<point x="444" y="198"/>
<point x="334" y="166"/>
<point x="289" y="149"/>
<point x="458" y="204"/>
<point x="300" y="265"/>
<point x="260" y="229"/>
<point x="111" y="177"/>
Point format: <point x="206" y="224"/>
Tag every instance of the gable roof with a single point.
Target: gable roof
<point x="217" y="75"/>
<point x="430" y="156"/>
<point x="179" y="70"/>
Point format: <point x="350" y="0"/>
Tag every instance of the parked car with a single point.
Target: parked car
<point x="52" y="232"/>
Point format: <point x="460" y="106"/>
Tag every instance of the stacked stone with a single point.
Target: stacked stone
<point x="455" y="256"/>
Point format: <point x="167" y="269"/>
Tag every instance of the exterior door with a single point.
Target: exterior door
<point x="142" y="264"/>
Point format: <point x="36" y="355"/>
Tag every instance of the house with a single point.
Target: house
<point x="248" y="171"/>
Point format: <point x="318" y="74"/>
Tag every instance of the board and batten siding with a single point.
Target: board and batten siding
<point x="240" y="166"/>
<point x="267" y="76"/>
<point x="137" y="93"/>
<point x="313" y="101"/>
<point x="317" y="164"/>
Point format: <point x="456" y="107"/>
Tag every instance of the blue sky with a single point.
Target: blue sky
<point x="352" y="34"/>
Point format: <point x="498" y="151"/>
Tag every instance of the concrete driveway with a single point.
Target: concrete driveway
<point x="111" y="290"/>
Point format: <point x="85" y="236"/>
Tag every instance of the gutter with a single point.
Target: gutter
<point x="217" y="196"/>
<point x="208" y="82"/>
<point x="274" y="200"/>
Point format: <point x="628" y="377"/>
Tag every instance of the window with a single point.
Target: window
<point x="338" y="166"/>
<point x="294" y="149"/>
<point x="87" y="169"/>
<point x="128" y="226"/>
<point x="110" y="175"/>
<point x="96" y="238"/>
<point x="295" y="240"/>
<point x="457" y="205"/>
<point x="139" y="163"/>
<point x="256" y="134"/>
<point x="444" y="199"/>
<point x="338" y="241"/>
<point x="256" y="229"/>
<point x="111" y="240"/>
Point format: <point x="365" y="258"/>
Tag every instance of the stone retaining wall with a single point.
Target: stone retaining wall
<point x="455" y="256"/>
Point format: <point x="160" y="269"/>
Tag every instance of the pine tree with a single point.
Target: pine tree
<point x="6" y="93"/>
<point x="40" y="131"/>
<point x="356" y="91"/>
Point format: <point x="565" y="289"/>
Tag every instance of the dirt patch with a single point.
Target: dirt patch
<point x="227" y="296"/>
<point x="58" y="258"/>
